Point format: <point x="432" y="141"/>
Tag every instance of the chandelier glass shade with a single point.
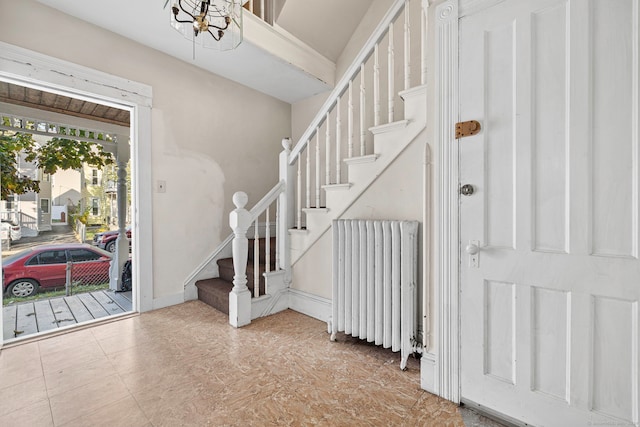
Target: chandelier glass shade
<point x="213" y="24"/>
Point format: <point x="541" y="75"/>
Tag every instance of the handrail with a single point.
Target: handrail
<point x="212" y="256"/>
<point x="343" y="83"/>
<point x="267" y="200"/>
<point x="255" y="211"/>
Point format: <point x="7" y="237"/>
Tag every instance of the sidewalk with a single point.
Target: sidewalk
<point x="58" y="234"/>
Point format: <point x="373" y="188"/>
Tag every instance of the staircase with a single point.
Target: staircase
<point x="215" y="291"/>
<point x="376" y="111"/>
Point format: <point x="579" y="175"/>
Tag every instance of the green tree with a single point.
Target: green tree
<point x="57" y="154"/>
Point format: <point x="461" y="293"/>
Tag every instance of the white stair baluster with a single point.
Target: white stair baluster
<point x="262" y="9"/>
<point x="251" y="6"/>
<point x="391" y="77"/>
<point x="299" y="194"/>
<point x="350" y="121"/>
<point x="327" y="154"/>
<point x="267" y="242"/>
<point x="363" y="128"/>
<point x="376" y="86"/>
<point x="338" y="141"/>
<point x="308" y="178"/>
<point x="256" y="259"/>
<point x="407" y="47"/>
<point x="317" y="167"/>
<point x="278" y="233"/>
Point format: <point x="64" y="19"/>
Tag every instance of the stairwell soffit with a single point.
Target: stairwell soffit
<point x="287" y="80"/>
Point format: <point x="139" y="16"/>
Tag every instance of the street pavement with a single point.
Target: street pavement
<point x="58" y="234"/>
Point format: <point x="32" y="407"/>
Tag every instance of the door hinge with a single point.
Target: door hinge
<point x="469" y="128"/>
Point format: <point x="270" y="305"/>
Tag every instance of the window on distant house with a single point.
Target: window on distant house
<point x="94" y="176"/>
<point x="44" y="206"/>
<point x="11" y="202"/>
<point x="95" y="207"/>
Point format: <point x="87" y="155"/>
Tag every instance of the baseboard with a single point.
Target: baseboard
<point x="309" y="304"/>
<point x="428" y="373"/>
<point x="499" y="417"/>
<point x="190" y="292"/>
<point x="168" y="300"/>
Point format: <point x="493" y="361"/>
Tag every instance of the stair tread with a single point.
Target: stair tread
<point x="369" y="158"/>
<point x="215" y="284"/>
<point x="331" y="187"/>
<point x="389" y="127"/>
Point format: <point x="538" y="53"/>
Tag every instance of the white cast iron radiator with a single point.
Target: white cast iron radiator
<point x="374" y="282"/>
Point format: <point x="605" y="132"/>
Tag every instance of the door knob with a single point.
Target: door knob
<point x="472" y="249"/>
<point x="467" y="190"/>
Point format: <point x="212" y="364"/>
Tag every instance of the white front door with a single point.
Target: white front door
<point x="549" y="316"/>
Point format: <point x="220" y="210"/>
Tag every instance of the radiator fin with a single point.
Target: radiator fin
<point x="374" y="282"/>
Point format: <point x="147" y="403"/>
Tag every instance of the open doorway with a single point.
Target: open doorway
<point x="66" y="199"/>
<point x="31" y="69"/>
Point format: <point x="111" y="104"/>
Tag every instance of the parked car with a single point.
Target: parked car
<point x="15" y="232"/>
<point x="107" y="239"/>
<point x="44" y="266"/>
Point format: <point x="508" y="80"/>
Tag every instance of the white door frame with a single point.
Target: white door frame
<point x="29" y="68"/>
<point x="446" y="250"/>
<point x="447" y="222"/>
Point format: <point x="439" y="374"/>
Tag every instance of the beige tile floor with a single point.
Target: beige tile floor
<point x="184" y="366"/>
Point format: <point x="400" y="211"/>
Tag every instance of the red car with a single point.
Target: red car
<point x="45" y="266"/>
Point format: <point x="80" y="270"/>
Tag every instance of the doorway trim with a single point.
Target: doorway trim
<point x="446" y="372"/>
<point x="446" y="307"/>
<point x="29" y="68"/>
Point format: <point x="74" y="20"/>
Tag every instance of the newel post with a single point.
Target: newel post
<point x="240" y="297"/>
<point x="286" y="209"/>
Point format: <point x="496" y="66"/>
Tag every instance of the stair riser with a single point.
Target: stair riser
<point x="262" y="249"/>
<point x="216" y="300"/>
<point x="389" y="142"/>
<point x="227" y="273"/>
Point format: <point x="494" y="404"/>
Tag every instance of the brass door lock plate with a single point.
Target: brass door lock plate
<point x="469" y="128"/>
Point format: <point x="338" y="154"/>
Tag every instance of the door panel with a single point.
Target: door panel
<point x="549" y="318"/>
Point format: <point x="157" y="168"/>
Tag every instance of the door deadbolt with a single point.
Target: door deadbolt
<point x="466" y="190"/>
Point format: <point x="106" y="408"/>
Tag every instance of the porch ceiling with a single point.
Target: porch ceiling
<point x="41" y="100"/>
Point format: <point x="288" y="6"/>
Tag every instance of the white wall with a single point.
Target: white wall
<point x="66" y="187"/>
<point x="361" y="34"/>
<point x="211" y="137"/>
<point x="396" y="194"/>
<point x="302" y="112"/>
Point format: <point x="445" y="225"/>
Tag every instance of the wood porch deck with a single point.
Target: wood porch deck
<point x="30" y="317"/>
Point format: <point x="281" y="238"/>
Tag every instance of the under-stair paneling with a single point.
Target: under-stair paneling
<point x="396" y="194"/>
<point x="312" y="273"/>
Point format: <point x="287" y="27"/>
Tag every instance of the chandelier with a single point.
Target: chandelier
<point x="212" y="23"/>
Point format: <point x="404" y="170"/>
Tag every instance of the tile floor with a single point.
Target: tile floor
<point x="184" y="366"/>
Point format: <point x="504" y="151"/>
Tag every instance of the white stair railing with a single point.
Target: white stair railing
<point x="318" y="164"/>
<point x="263" y="9"/>
<point x="301" y="169"/>
<point x="241" y="220"/>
